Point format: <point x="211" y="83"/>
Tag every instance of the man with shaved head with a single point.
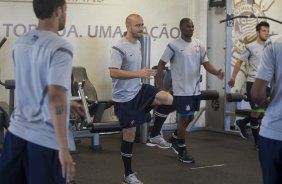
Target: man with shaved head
<point x="132" y="98"/>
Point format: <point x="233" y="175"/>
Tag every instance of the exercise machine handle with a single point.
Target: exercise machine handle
<point x="89" y="120"/>
<point x="3" y="41"/>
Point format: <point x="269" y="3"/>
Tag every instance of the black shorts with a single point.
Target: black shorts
<point x="270" y="159"/>
<point x="186" y="105"/>
<point x="132" y="113"/>
<point x="249" y="88"/>
<point x="24" y="162"/>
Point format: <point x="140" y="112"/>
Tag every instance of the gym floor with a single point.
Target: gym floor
<point x="220" y="159"/>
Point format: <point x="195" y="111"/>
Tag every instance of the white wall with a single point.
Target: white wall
<point x="161" y="18"/>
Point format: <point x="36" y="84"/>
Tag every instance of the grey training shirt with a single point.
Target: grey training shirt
<point x="185" y="60"/>
<point x="252" y="55"/>
<point x="126" y="56"/>
<point x="270" y="70"/>
<point x="41" y="58"/>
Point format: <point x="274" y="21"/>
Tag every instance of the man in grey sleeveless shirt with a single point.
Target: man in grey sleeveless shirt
<point x="36" y="147"/>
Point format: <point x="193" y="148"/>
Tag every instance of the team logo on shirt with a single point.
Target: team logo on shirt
<point x="197" y="48"/>
<point x="34" y="38"/>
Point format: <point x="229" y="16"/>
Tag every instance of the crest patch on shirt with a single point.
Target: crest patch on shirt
<point x="197" y="48"/>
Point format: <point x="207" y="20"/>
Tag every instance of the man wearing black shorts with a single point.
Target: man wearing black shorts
<point x="132" y="98"/>
<point x="251" y="56"/>
<point x="37" y="143"/>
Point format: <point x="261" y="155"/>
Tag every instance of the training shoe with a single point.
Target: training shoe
<point x="174" y="144"/>
<point x="131" y="179"/>
<point x="241" y="126"/>
<point x="185" y="157"/>
<point x="158" y="141"/>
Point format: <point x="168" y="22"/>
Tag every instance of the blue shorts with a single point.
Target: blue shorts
<point x="270" y="156"/>
<point x="249" y="88"/>
<point x="186" y="105"/>
<point x="132" y="113"/>
<point x="23" y="162"/>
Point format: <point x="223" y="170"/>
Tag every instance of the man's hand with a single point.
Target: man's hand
<point x="220" y="74"/>
<point x="67" y="163"/>
<point x="231" y="83"/>
<point x="76" y="109"/>
<point x="146" y="73"/>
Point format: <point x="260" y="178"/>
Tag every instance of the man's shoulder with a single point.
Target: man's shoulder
<point x="253" y="44"/>
<point x="175" y="43"/>
<point x="277" y="42"/>
<point x="196" y="40"/>
<point x="124" y="45"/>
<point x="59" y="42"/>
<point x="120" y="46"/>
<point x="43" y="39"/>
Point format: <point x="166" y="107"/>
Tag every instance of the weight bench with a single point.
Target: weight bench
<point x="91" y="126"/>
<point x="238" y="97"/>
<point x="205" y="95"/>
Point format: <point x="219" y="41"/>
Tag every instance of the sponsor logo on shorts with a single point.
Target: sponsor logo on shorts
<point x="188" y="108"/>
<point x="132" y="122"/>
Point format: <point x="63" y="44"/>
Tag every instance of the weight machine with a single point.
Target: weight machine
<point x="221" y="116"/>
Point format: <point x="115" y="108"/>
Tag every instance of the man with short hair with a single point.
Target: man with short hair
<point x="36" y="147"/>
<point x="186" y="55"/>
<point x="251" y="56"/>
<point x="132" y="99"/>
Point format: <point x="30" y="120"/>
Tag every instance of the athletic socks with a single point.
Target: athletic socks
<point x="181" y="146"/>
<point x="161" y="114"/>
<point x="255" y="128"/>
<point x="126" y="154"/>
<point x="158" y="123"/>
<point x="246" y="120"/>
<point x="173" y="137"/>
<point x="175" y="134"/>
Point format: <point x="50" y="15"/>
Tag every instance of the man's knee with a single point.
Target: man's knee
<point x="163" y="98"/>
<point x="255" y="114"/>
<point x="185" y="119"/>
<point x="129" y="134"/>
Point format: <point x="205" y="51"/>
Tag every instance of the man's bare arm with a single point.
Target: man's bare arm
<point x="124" y="74"/>
<point x="258" y="93"/>
<point x="58" y="109"/>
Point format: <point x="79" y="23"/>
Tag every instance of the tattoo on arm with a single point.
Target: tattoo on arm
<point x="59" y="110"/>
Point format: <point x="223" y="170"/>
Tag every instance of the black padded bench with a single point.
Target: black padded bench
<point x="238" y="97"/>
